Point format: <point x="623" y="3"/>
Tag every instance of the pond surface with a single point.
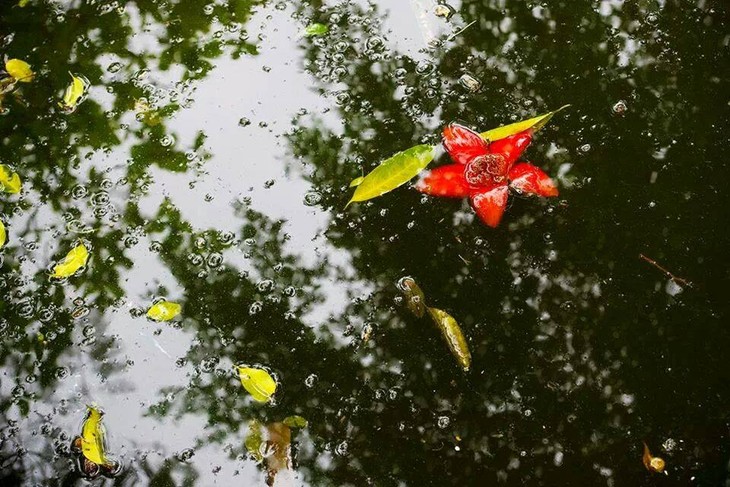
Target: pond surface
<point x="208" y="164"/>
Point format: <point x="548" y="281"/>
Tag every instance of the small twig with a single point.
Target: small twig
<point x="672" y="277"/>
<point x="453" y="36"/>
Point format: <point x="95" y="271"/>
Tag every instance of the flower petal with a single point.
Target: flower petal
<point x="447" y="181"/>
<point x="511" y="147"/>
<point x="463" y="144"/>
<point x="490" y="204"/>
<point x="527" y="178"/>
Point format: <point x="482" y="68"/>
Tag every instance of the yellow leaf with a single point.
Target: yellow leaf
<point x="74" y="92"/>
<point x="357" y="181"/>
<point x="533" y="124"/>
<point x="3" y="234"/>
<point x="23" y="3"/>
<point x="9" y="181"/>
<point x="19" y="70"/>
<point x="257" y="382"/>
<point x="164" y="311"/>
<point x="454" y="337"/>
<point x="93" y="437"/>
<point x="74" y="260"/>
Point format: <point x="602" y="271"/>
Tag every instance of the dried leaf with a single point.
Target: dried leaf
<point x="415" y="299"/>
<point x="393" y="172"/>
<point x="257" y="382"/>
<point x="533" y="124"/>
<point x="357" y="181"/>
<point x="19" y="70"/>
<point x="163" y="311"/>
<point x="9" y="181"/>
<point x="74" y="260"/>
<point x="74" y="93"/>
<point x="295" y="422"/>
<point x="3" y="234"/>
<point x="454" y="337"/>
<point x="315" y="30"/>
<point x="93" y="444"/>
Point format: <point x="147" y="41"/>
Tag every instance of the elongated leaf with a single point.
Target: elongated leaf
<point x="415" y="299"/>
<point x="315" y="30"/>
<point x="92" y="437"/>
<point x="257" y="382"/>
<point x="295" y="422"/>
<point x="357" y="181"/>
<point x="74" y="260"/>
<point x="9" y="180"/>
<point x="163" y="311"/>
<point x="454" y="337"/>
<point x="254" y="439"/>
<point x="74" y="92"/>
<point x="3" y="234"/>
<point x="393" y="172"/>
<point x="19" y="70"/>
<point x="533" y="124"/>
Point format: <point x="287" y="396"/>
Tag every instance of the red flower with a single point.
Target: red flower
<point x="485" y="172"/>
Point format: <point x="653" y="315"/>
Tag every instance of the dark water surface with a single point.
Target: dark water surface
<point x="209" y="165"/>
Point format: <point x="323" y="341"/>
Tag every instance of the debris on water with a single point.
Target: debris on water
<point x="619" y="108"/>
<point x="652" y="463"/>
<point x="444" y="10"/>
<point x="470" y="83"/>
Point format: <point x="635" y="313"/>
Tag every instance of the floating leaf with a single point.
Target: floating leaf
<point x="163" y="311"/>
<point x="295" y="421"/>
<point x="23" y="3"/>
<point x="257" y="382"/>
<point x="19" y="70"/>
<point x="74" y="260"/>
<point x="415" y="299"/>
<point x="9" y="180"/>
<point x="93" y="443"/>
<point x="652" y="463"/>
<point x="254" y="439"/>
<point x="3" y="234"/>
<point x="533" y="124"/>
<point x="74" y="92"/>
<point x="393" y="172"/>
<point x="357" y="181"/>
<point x="454" y="337"/>
<point x="315" y="30"/>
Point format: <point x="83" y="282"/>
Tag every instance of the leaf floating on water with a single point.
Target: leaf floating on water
<point x="315" y="30"/>
<point x="19" y="70"/>
<point x="415" y="299"/>
<point x="533" y="124"/>
<point x="164" y="311"/>
<point x="357" y="181"/>
<point x="74" y="93"/>
<point x="93" y="443"/>
<point x="295" y="421"/>
<point x="257" y="382"/>
<point x="3" y="234"/>
<point x="393" y="172"/>
<point x="9" y="180"/>
<point x="451" y="331"/>
<point x="254" y="439"/>
<point x="74" y="260"/>
<point x="23" y="3"/>
<point x="652" y="463"/>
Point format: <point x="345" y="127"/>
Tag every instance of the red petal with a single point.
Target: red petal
<point x="490" y="204"/>
<point x="445" y="181"/>
<point x="530" y="179"/>
<point x="511" y="147"/>
<point x="463" y="144"/>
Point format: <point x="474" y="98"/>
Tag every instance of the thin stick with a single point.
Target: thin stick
<point x="672" y="277"/>
<point x="453" y="36"/>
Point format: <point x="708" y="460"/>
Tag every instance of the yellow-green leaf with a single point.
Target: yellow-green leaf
<point x="23" y="3"/>
<point x="454" y="337"/>
<point x="415" y="299"/>
<point x="393" y="172"/>
<point x="533" y="124"/>
<point x="3" y="234"/>
<point x="74" y="92"/>
<point x="357" y="181"/>
<point x="295" y="421"/>
<point x="93" y="437"/>
<point x="254" y="439"/>
<point x="74" y="260"/>
<point x="315" y="30"/>
<point x="257" y="382"/>
<point x="19" y="70"/>
<point x="9" y="180"/>
<point x="163" y="311"/>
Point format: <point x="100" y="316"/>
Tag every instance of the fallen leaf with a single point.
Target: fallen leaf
<point x="257" y="382"/>
<point x="357" y="181"/>
<point x="254" y="439"/>
<point x="93" y="437"/>
<point x="454" y="337"/>
<point x="315" y="30"/>
<point x="415" y="299"/>
<point x="9" y="180"/>
<point x="74" y="92"/>
<point x="393" y="172"/>
<point x="3" y="234"/>
<point x="163" y="311"/>
<point x="74" y="260"/>
<point x="19" y="70"/>
<point x="533" y="124"/>
<point x="295" y="422"/>
<point x="652" y="463"/>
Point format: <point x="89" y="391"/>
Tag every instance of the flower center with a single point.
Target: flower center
<point x="486" y="169"/>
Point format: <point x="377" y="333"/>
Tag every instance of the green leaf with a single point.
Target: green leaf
<point x="3" y="234"/>
<point x="393" y="172"/>
<point x="257" y="382"/>
<point x="9" y="181"/>
<point x="454" y="337"/>
<point x="19" y="70"/>
<point x="74" y="260"/>
<point x="315" y="30"/>
<point x="74" y="93"/>
<point x="357" y="181"/>
<point x="534" y="124"/>
<point x="295" y="422"/>
<point x="415" y="299"/>
<point x="254" y="439"/>
<point x="92" y="437"/>
<point x="163" y="311"/>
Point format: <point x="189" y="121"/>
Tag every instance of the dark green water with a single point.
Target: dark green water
<point x="209" y="165"/>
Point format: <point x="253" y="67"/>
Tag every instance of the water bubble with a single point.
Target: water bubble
<point x="114" y="67"/>
<point x="443" y="421"/>
<point x="167" y="141"/>
<point x="244" y="122"/>
<point x="584" y="149"/>
<point x="255" y="308"/>
<point x="214" y="260"/>
<point x="100" y="198"/>
<point x="341" y="449"/>
<point x="265" y="286"/>
<point x="312" y="198"/>
<point x="187" y="453"/>
<point x="470" y="83"/>
<point x="619" y="108"/>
